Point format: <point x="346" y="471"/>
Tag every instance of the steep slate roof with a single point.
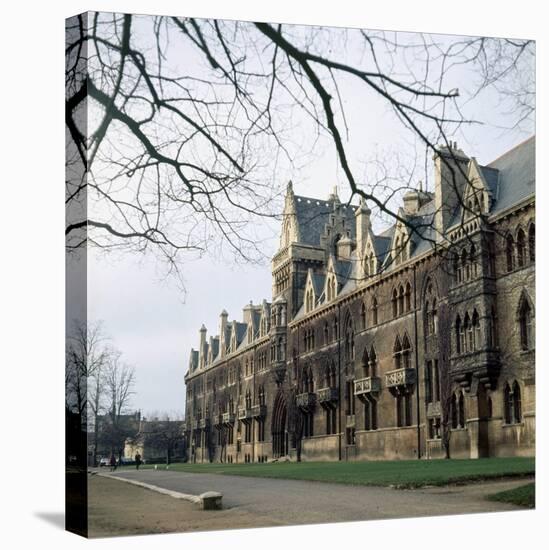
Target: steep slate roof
<point x="241" y="329"/>
<point x="215" y="346"/>
<point x="194" y="359"/>
<point x="491" y="175"/>
<point x="342" y="270"/>
<point x="510" y="178"/>
<point x="381" y="245"/>
<point x="313" y="214"/>
<point x="318" y="283"/>
<point x="352" y="276"/>
<point x="517" y="175"/>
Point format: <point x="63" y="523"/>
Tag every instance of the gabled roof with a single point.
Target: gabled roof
<point x="510" y="179"/>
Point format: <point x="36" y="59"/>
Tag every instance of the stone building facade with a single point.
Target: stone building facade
<point x="414" y="342"/>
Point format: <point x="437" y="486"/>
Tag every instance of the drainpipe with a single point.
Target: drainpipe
<point x="339" y="372"/>
<point x="417" y="367"/>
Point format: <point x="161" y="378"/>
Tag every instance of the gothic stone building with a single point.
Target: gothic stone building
<point x="394" y="345"/>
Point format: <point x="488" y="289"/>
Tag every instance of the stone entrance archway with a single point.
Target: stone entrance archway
<point x="279" y="427"/>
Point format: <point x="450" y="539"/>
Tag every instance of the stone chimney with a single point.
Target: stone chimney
<point x="415" y="199"/>
<point x="450" y="179"/>
<point x="344" y="248"/>
<point x="363" y="224"/>
<point x="202" y="349"/>
<point x="222" y="330"/>
<point x="247" y="313"/>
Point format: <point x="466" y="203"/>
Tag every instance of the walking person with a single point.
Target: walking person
<point x="137" y="461"/>
<point x="113" y="462"/>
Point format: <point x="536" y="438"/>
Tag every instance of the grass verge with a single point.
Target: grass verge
<point x="398" y="473"/>
<point x="524" y="496"/>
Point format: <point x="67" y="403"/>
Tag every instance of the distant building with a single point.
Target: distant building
<point x="111" y="440"/>
<point x="158" y="440"/>
<point x="372" y="341"/>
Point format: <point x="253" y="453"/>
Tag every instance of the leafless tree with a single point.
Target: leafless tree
<point x="165" y="433"/>
<point x="179" y="155"/>
<point x="119" y="380"/>
<point x="86" y="356"/>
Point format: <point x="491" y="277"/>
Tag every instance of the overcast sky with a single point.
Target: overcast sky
<point x="155" y="328"/>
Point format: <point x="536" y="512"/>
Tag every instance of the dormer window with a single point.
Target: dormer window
<point x="309" y="300"/>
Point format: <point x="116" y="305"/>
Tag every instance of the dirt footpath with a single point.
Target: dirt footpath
<point x="120" y="509"/>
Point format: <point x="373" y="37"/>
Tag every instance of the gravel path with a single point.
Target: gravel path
<point x="298" y="502"/>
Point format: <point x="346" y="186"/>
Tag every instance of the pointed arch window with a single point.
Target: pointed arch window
<point x="512" y="403"/>
<point x="363" y="316"/>
<point x="349" y="342"/>
<point x="460" y="336"/>
<point x="401" y="300"/>
<point x="408" y="297"/>
<point x="406" y="353"/>
<point x="510" y="253"/>
<point x="476" y="331"/>
<point x="397" y="353"/>
<point x="525" y="324"/>
<point x="532" y="242"/>
<point x="395" y="303"/>
<point x="374" y="311"/>
<point x="333" y="378"/>
<point x="469" y="333"/>
<point x="373" y="362"/>
<point x="521" y="250"/>
<point x="473" y="260"/>
<point x="310" y="386"/>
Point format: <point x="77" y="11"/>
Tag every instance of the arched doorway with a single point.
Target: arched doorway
<point x="279" y="426"/>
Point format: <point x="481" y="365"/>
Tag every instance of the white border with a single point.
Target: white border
<point x="32" y="276"/>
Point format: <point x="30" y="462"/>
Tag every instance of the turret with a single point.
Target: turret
<point x="450" y="178"/>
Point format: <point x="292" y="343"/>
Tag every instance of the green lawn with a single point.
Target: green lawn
<point x="525" y="496"/>
<point x="401" y="473"/>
